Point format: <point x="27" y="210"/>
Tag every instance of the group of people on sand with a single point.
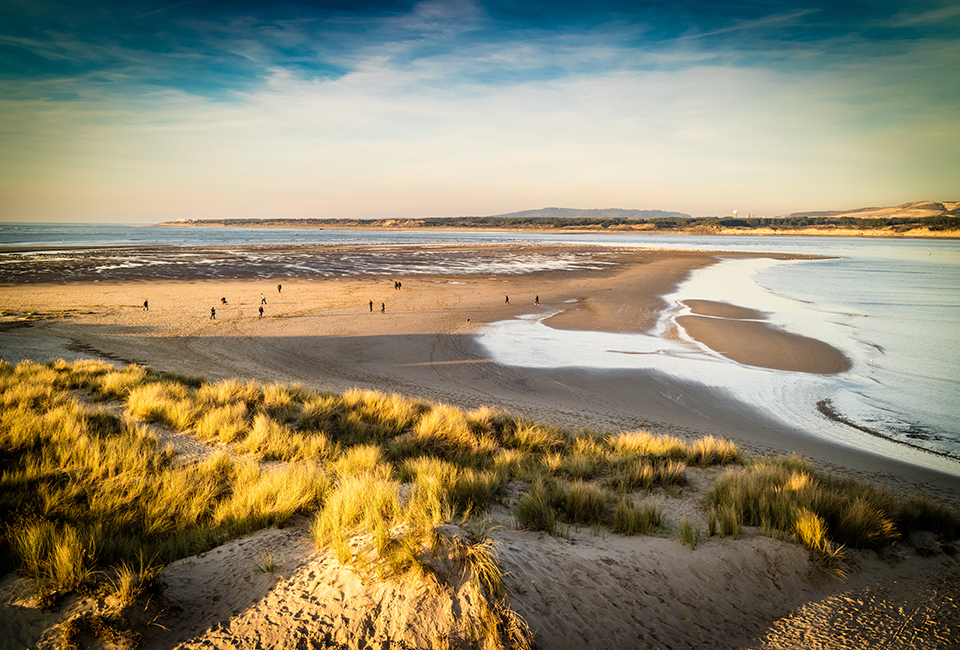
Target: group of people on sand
<point x="263" y="300"/>
<point x="506" y="300"/>
<point x="223" y="301"/>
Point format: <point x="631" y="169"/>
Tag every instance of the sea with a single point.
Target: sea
<point x="891" y="305"/>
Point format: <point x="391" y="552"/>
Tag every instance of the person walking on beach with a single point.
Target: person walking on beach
<point x="263" y="299"/>
<point x="383" y="308"/>
<point x="261" y="311"/>
<point x="536" y="300"/>
<point x="371" y="306"/>
<point x="506" y="300"/>
<point x="146" y="306"/>
<point x="279" y="287"/>
<point x="213" y="313"/>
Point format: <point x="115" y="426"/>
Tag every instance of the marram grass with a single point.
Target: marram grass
<point x="87" y="490"/>
<point x="823" y="512"/>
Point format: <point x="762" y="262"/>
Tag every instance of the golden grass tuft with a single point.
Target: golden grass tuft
<point x="131" y="581"/>
<point x="117" y="384"/>
<point x="444" y="431"/>
<point x="779" y="493"/>
<point x="225" y="423"/>
<point x="643" y="443"/>
<point x="585" y="504"/>
<point x="533" y="437"/>
<point x="165" y="402"/>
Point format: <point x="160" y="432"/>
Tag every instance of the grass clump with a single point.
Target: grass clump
<point x="788" y="495"/>
<point x="631" y="519"/>
<point x="643" y="474"/>
<point x="165" y="402"/>
<point x="535" y="509"/>
<point x="710" y="450"/>
<point x="365" y="504"/>
<point x="226" y="423"/>
<point x="642" y="443"/>
<point x="724" y="520"/>
<point x="585" y="504"/>
<point x="132" y="580"/>
<point x="689" y="533"/>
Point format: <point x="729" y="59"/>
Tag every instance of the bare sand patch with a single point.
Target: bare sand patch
<point x="759" y="344"/>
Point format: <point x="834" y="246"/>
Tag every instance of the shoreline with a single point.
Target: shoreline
<point x="322" y="333"/>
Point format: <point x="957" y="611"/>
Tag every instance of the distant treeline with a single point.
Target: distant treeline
<point x="675" y="224"/>
<point x="937" y="223"/>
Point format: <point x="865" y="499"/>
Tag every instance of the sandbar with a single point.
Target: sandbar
<point x="755" y="343"/>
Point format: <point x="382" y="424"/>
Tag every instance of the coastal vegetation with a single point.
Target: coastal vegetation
<point x="95" y="498"/>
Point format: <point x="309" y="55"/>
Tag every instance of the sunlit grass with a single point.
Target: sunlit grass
<point x="86" y="491"/>
<point x="824" y="513"/>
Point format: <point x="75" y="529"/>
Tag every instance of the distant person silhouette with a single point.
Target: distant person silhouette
<point x="146" y="306"/>
<point x="506" y="300"/>
<point x="383" y="308"/>
<point x="371" y="305"/>
<point x="263" y="299"/>
<point x="223" y="301"/>
<point x="213" y="313"/>
<point x="279" y="287"/>
<point x="536" y="300"/>
<point x="261" y="311"/>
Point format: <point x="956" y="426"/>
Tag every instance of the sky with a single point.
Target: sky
<point x="148" y="110"/>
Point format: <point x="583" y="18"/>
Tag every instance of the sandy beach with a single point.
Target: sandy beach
<point x="360" y="330"/>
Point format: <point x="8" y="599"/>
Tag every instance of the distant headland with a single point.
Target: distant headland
<point x="917" y="219"/>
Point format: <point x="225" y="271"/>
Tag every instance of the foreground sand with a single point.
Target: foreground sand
<point x="611" y="592"/>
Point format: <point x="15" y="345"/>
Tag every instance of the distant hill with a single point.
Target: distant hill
<point x="602" y="213"/>
<point x="915" y="210"/>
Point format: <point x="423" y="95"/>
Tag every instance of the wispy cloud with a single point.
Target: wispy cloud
<point x="162" y="9"/>
<point x="930" y="17"/>
<point x="751" y="25"/>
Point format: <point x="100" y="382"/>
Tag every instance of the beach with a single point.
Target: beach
<point x="419" y="339"/>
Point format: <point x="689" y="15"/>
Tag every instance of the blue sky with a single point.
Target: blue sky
<point x="143" y="111"/>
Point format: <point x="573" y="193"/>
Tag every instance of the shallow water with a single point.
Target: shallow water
<point x="893" y="310"/>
